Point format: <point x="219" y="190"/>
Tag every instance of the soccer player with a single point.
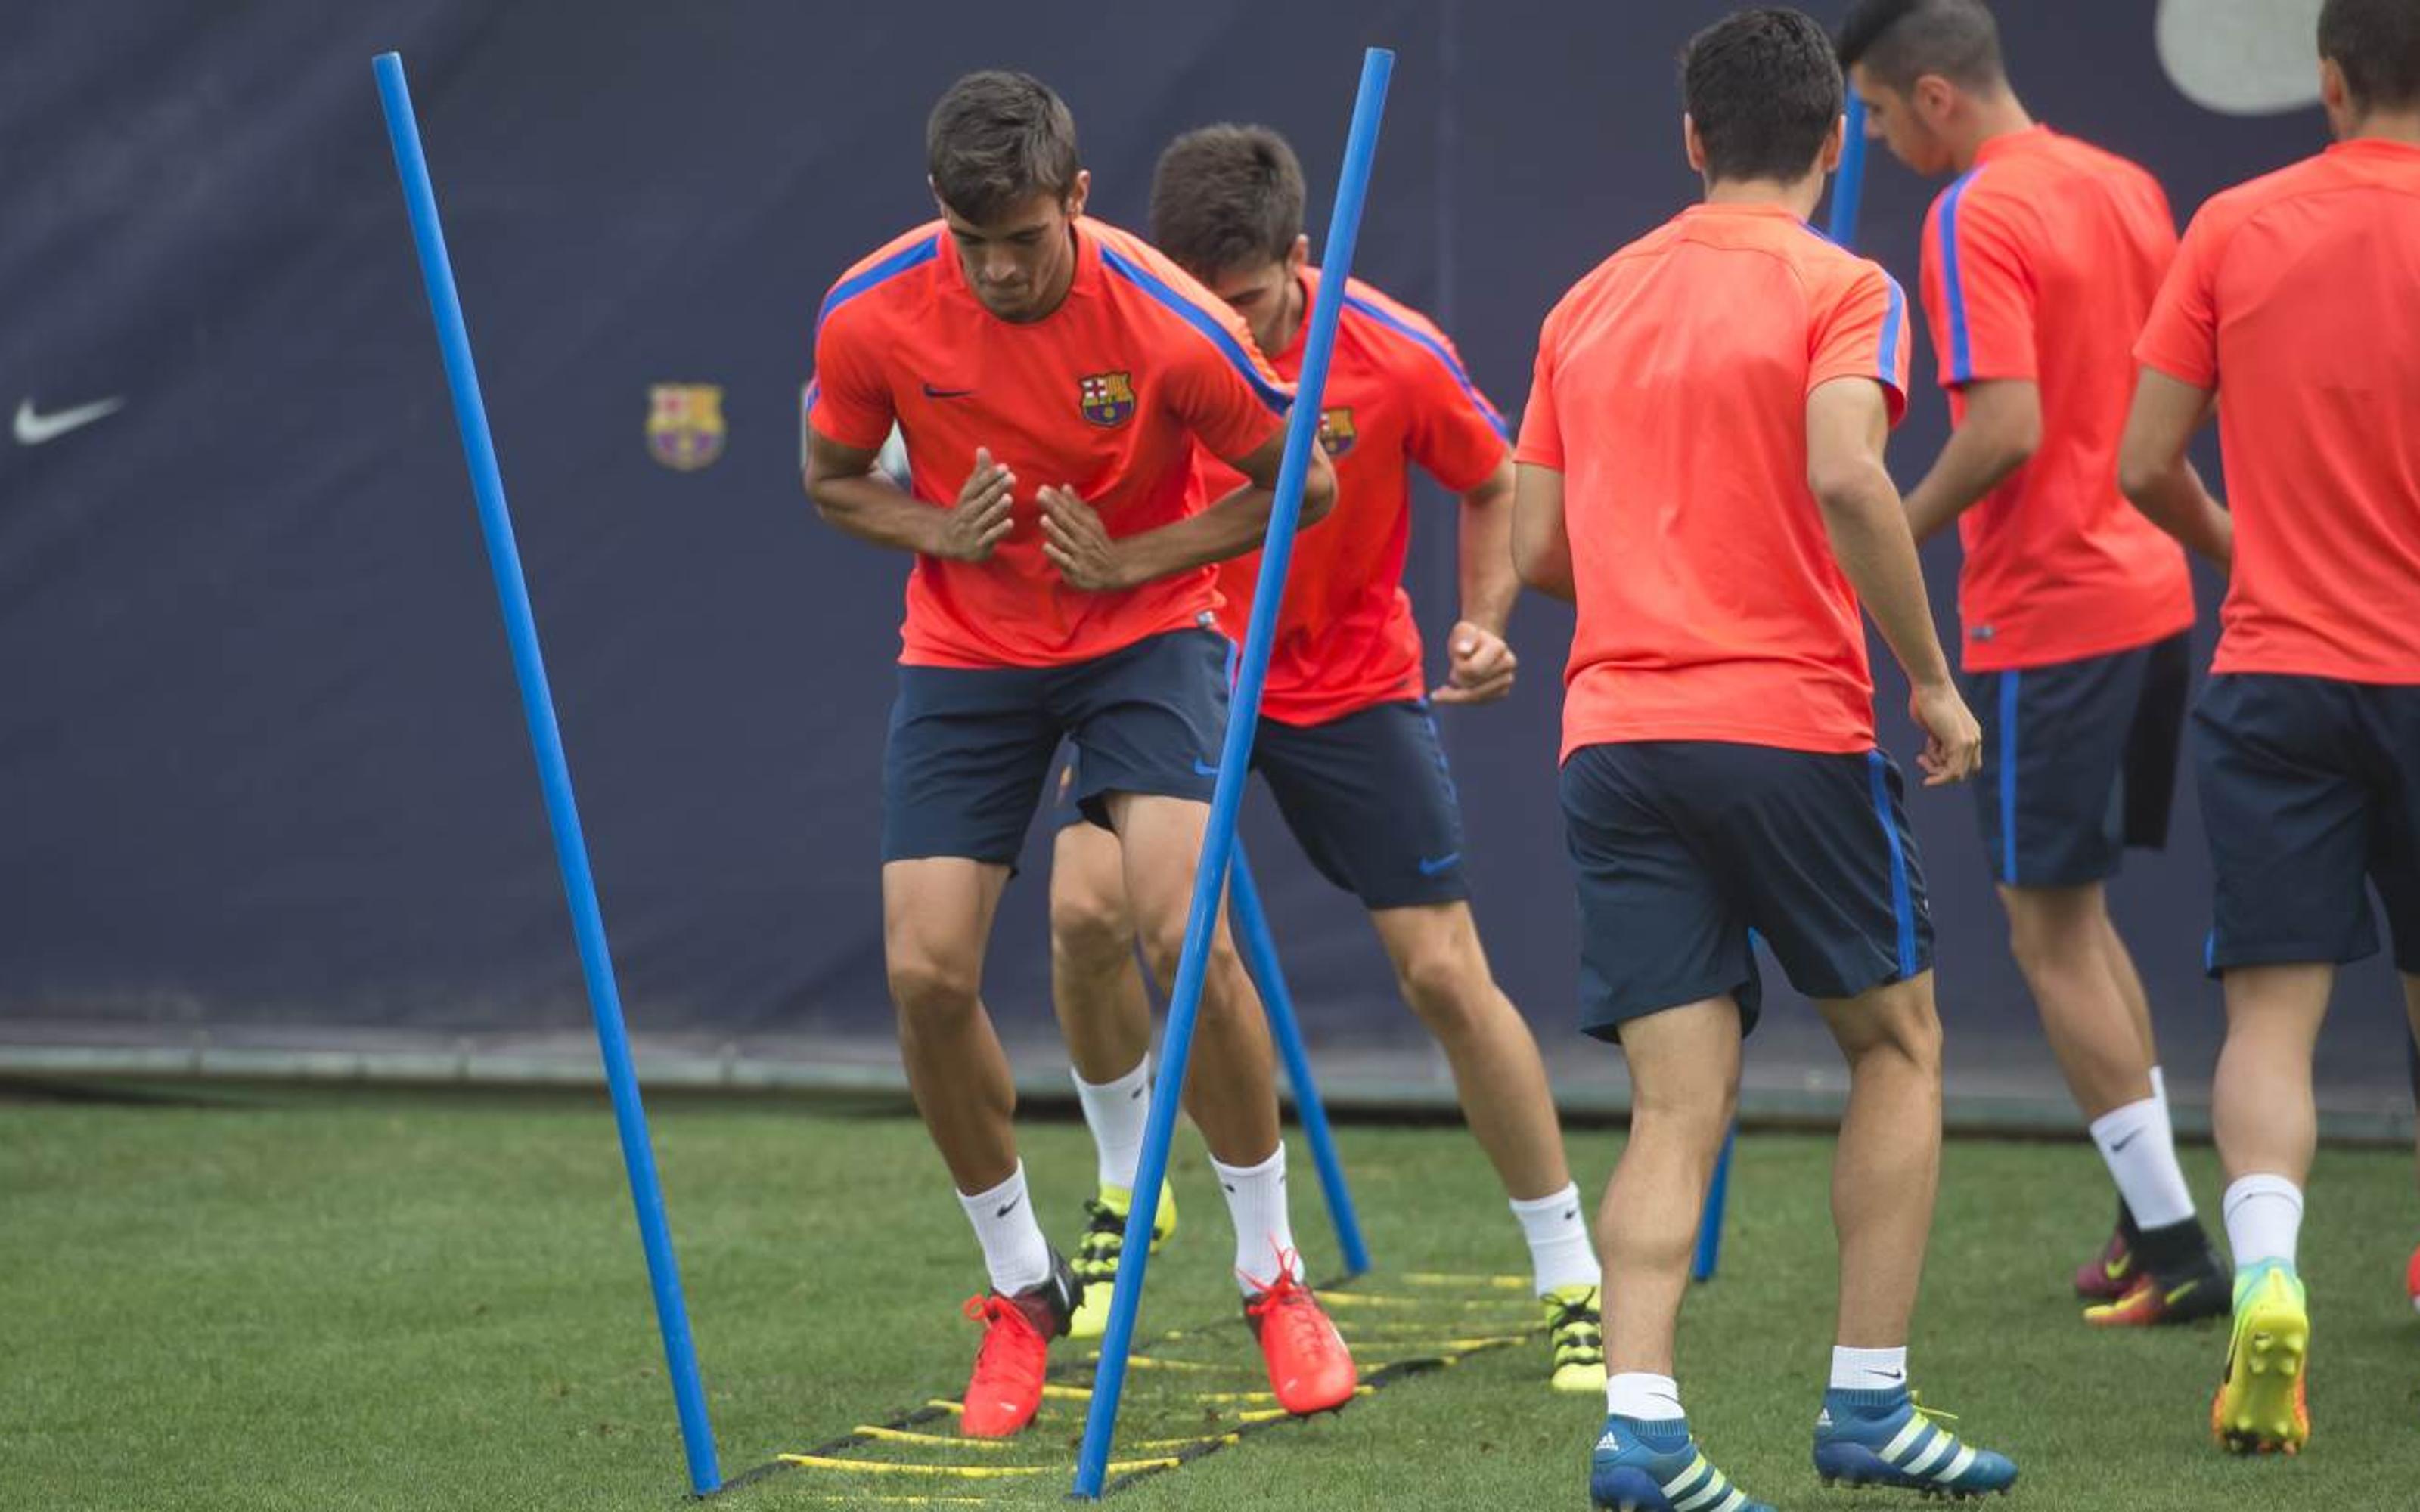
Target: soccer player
<point x="1347" y="742"/>
<point x="1702" y="473"/>
<point x="2294" y="310"/>
<point x="1052" y="377"/>
<point x="2041" y="260"/>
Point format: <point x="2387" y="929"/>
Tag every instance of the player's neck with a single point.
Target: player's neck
<point x="1993" y="117"/>
<point x="1281" y="336"/>
<point x="1799" y="196"/>
<point x="2401" y="126"/>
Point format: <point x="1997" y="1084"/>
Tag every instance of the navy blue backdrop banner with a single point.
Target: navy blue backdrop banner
<point x="260" y="763"/>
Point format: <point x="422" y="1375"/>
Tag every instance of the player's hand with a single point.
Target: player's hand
<point x="980" y="520"/>
<point x="1479" y="667"/>
<point x="1953" y="744"/>
<point x="1078" y="544"/>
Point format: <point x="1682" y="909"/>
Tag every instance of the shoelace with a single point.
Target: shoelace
<point x="1577" y="1332"/>
<point x="1933" y="1415"/>
<point x="1288" y="1302"/>
<point x="990" y="1311"/>
<point x="1104" y="1241"/>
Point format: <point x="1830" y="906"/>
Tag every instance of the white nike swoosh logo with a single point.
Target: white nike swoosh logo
<point x="33" y="429"/>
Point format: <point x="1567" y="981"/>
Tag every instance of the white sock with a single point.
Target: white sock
<point x="1116" y="1112"/>
<point x="2160" y="1095"/>
<point x="1256" y="1200"/>
<point x="2264" y="1217"/>
<point x="2141" y="1153"/>
<point x="1013" y="1249"/>
<point x="1560" y="1252"/>
<point x="1869" y="1369"/>
<point x="1635" y="1393"/>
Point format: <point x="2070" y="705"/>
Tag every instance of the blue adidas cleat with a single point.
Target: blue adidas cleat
<point x="1655" y="1467"/>
<point x="1882" y="1438"/>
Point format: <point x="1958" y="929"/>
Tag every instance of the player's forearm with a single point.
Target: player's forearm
<point x="1490" y="583"/>
<point x="1229" y="527"/>
<point x="875" y="511"/>
<point x="1976" y="461"/>
<point x="1542" y="542"/>
<point x="2174" y="499"/>
<point x="1871" y="540"/>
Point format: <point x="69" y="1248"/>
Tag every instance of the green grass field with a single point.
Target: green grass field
<point x="321" y="1301"/>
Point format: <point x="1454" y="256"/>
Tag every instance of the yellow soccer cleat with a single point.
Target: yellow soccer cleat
<point x="2261" y="1406"/>
<point x="1097" y="1253"/>
<point x="1576" y="1335"/>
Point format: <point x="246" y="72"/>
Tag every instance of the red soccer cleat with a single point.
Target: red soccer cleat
<point x="2110" y="1275"/>
<point x="2412" y="1279"/>
<point x="1005" y="1390"/>
<point x="1309" y="1368"/>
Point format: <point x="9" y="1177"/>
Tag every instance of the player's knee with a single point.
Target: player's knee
<point x="1696" y="1113"/>
<point x="929" y="986"/>
<point x="1900" y="1022"/>
<point x="2051" y="930"/>
<point x="1089" y="929"/>
<point x="1448" y="985"/>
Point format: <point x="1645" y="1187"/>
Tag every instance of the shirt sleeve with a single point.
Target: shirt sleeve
<point x="1542" y="429"/>
<point x="2181" y="337"/>
<point x="1456" y="435"/>
<point x="1221" y="387"/>
<point x="1861" y="331"/>
<point x="849" y="399"/>
<point x="1979" y="297"/>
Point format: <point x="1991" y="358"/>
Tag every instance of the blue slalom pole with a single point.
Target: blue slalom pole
<point x="1235" y="762"/>
<point x="1260" y="948"/>
<point x="554" y="773"/>
<point x="1849" y="184"/>
<point x="1710" y="1226"/>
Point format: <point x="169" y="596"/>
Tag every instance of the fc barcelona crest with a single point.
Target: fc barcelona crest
<point x="685" y="427"/>
<point x="1108" y="397"/>
<point x="1336" y="432"/>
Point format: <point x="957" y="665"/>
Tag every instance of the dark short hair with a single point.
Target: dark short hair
<point x="1226" y="197"/>
<point x="1764" y="91"/>
<point x="2377" y="44"/>
<point x="998" y="138"/>
<point x="1899" y="41"/>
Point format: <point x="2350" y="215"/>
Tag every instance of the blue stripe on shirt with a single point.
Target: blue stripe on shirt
<point x="1962" y="351"/>
<point x="1200" y="320"/>
<point x="883" y="271"/>
<point x="1442" y="352"/>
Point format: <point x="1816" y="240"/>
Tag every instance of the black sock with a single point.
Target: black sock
<point x="2127" y="1228"/>
<point x="2175" y="1252"/>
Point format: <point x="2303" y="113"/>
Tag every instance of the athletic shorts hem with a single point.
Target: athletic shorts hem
<point x="1604" y="1021"/>
<point x="2289" y="953"/>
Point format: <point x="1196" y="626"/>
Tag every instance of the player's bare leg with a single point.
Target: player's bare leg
<point x="1498" y="1073"/>
<point x="1230" y="1091"/>
<point x="1885" y="1176"/>
<point x="937" y="916"/>
<point x="1096" y="985"/>
<point x="1500" y="1079"/>
<point x="1683" y="1089"/>
<point x="2159" y="1267"/>
<point x="1887" y="1170"/>
<point x="1105" y="1015"/>
<point x="2061" y="939"/>
<point x="2267" y="1124"/>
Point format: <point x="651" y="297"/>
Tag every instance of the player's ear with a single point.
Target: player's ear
<point x="1933" y="98"/>
<point x="1693" y="144"/>
<point x="1078" y="192"/>
<point x="2335" y="95"/>
<point x="1296" y="255"/>
<point x="1828" y="160"/>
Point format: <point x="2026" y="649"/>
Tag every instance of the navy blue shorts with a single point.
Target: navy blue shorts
<point x="1368" y="796"/>
<point x="2083" y="755"/>
<point x="970" y="747"/>
<point x="2309" y="786"/>
<point x="1684" y="848"/>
